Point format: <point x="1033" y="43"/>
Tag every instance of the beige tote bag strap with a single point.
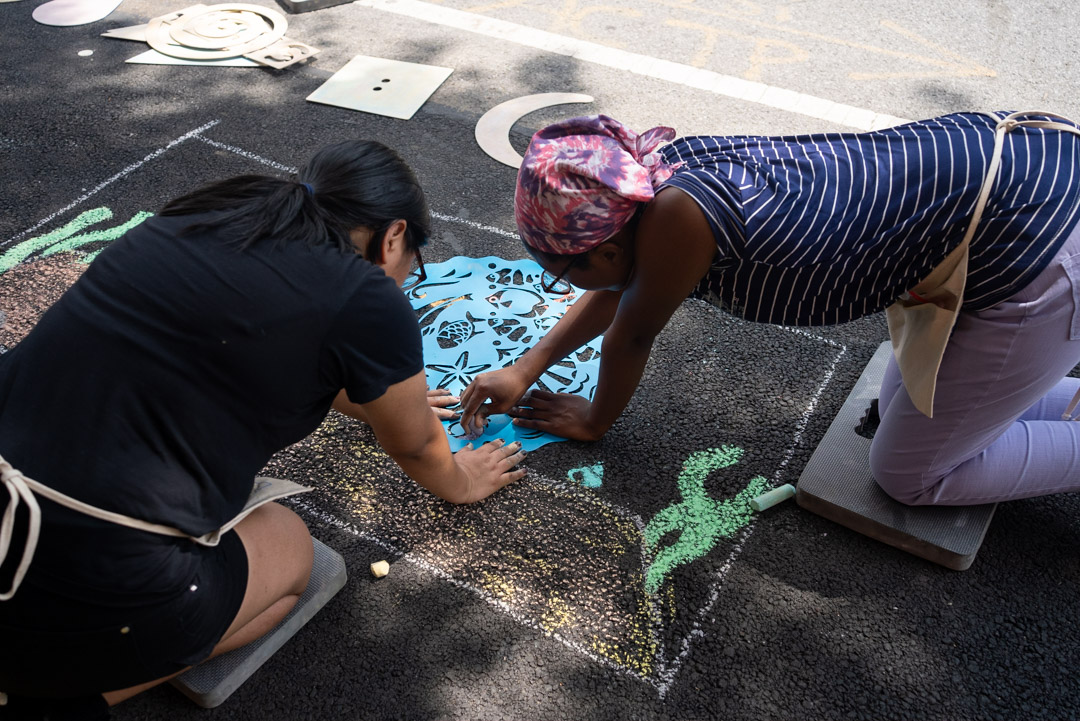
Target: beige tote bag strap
<point x="1008" y="123"/>
<point x="85" y="508"/>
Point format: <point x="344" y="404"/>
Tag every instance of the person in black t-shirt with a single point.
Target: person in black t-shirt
<point x="192" y="349"/>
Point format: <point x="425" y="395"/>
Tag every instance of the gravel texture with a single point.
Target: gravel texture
<point x="532" y="604"/>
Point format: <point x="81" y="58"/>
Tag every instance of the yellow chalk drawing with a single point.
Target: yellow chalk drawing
<point x="952" y="65"/>
<point x="497" y="586"/>
<point x="557" y="615"/>
<point x="555" y="554"/>
<point x="713" y="20"/>
<point x="669" y="602"/>
<point x="636" y="649"/>
<point x="960" y="67"/>
<point x="607" y="545"/>
<point x="446" y="301"/>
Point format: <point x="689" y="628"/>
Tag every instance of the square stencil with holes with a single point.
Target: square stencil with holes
<point x="383" y="87"/>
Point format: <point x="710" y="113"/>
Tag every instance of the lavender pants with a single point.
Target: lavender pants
<point x="997" y="432"/>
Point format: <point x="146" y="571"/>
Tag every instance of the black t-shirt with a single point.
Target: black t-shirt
<point x="166" y="377"/>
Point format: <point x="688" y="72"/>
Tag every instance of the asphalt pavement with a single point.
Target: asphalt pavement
<point x="539" y="602"/>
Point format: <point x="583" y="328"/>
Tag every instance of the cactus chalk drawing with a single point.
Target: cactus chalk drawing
<point x="69" y="237"/>
<point x="700" y="521"/>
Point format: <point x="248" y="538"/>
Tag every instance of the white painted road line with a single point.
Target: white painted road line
<point x="727" y="85"/>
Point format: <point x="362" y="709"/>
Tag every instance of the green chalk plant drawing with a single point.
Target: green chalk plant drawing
<point x="70" y="237"/>
<point x="700" y="520"/>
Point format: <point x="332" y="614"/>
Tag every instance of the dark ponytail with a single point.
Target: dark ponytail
<point x="348" y="185"/>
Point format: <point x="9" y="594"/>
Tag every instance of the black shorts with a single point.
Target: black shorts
<point x="54" y="645"/>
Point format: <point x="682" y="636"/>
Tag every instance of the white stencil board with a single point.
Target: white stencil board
<point x="384" y="87"/>
<point x="132" y="32"/>
<point x="153" y="57"/>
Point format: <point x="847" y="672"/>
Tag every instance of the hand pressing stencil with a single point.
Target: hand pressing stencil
<point x="442" y="403"/>
<point x="74" y="12"/>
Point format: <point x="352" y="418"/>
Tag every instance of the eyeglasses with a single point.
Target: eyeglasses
<point x="417" y="275"/>
<point x="557" y="284"/>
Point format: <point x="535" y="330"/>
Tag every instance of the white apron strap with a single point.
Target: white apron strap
<point x="22" y="489"/>
<point x="16" y="486"/>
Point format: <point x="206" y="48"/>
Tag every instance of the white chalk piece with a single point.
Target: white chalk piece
<point x="770" y="499"/>
<point x="73" y="12"/>
<point x="380" y="569"/>
<point x="85" y="53"/>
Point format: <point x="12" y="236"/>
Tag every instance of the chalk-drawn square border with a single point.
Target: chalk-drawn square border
<point x="668" y="672"/>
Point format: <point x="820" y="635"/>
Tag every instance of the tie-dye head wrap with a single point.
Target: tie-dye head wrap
<point x="582" y="179"/>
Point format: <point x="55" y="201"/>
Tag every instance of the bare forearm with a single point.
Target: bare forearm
<point x="622" y="363"/>
<point x="412" y="435"/>
<point x="585" y="320"/>
<point x="429" y="462"/>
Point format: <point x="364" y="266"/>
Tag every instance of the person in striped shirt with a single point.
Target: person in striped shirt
<point x="821" y="229"/>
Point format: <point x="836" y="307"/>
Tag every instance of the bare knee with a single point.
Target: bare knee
<point x="279" y="548"/>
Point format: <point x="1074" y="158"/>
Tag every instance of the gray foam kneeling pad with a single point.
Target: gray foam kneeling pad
<point x="837" y="484"/>
<point x="213" y="681"/>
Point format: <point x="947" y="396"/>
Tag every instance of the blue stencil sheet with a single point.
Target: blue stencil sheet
<point x="481" y="314"/>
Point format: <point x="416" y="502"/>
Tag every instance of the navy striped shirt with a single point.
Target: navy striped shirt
<point x="830" y="227"/>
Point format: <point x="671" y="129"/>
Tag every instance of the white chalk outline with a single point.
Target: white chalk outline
<point x="109" y="181"/>
<point x="746" y="90"/>
<point x="247" y="154"/>
<point x="666" y="673"/>
<point x="665" y="676"/>
<point x="292" y="171"/>
<point x="492" y="599"/>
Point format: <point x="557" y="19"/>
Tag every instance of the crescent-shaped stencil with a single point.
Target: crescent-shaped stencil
<point x="493" y="129"/>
